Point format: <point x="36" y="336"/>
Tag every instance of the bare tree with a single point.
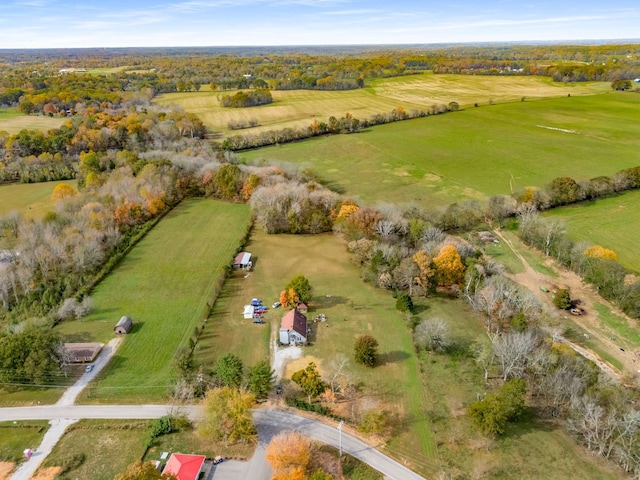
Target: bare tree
<point x="433" y="334"/>
<point x="512" y="351"/>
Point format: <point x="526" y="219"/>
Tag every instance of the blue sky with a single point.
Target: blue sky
<point x="148" y="23"/>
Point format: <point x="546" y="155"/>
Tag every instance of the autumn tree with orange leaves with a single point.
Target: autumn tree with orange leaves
<point x="289" y="454"/>
<point x="427" y="272"/>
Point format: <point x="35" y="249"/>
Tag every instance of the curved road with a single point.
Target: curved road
<point x="268" y="422"/>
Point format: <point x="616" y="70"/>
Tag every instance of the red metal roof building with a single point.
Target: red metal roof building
<point x="184" y="466"/>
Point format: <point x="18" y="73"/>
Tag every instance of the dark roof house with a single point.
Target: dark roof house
<point x="293" y="328"/>
<point x="83" y="352"/>
<point x="123" y="326"/>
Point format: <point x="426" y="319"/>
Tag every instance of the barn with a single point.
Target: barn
<point x="243" y="260"/>
<point x="293" y="328"/>
<point x="123" y="326"/>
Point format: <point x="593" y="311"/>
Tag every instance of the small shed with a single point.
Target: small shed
<point x="242" y="260"/>
<point x="124" y="326"/>
<point x="248" y="311"/>
<point x="302" y="307"/>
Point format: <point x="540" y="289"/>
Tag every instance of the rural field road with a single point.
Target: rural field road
<point x="268" y="422"/>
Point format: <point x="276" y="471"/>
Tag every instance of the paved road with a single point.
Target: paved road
<point x="279" y="421"/>
<point x="268" y="422"/>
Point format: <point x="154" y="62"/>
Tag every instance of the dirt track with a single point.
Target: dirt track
<point x="589" y="321"/>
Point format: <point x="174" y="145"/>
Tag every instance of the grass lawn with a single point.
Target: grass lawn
<point x="296" y="108"/>
<point x="618" y="221"/>
<point x="187" y="441"/>
<point x="12" y="121"/>
<point x="16" y="436"/>
<point x="352" y="308"/>
<point x="31" y="200"/>
<point x="108" y="446"/>
<point x="475" y="153"/>
<point x="164" y="284"/>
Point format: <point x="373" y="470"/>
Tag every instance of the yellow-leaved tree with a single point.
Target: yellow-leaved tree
<point x="427" y="273"/>
<point x="62" y="191"/>
<point x="449" y="267"/>
<point x="597" y="251"/>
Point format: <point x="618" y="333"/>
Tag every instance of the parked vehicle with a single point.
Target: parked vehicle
<point x="256" y="302"/>
<point x="88" y="368"/>
<point x="276" y="304"/>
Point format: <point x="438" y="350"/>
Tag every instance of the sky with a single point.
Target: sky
<point x="165" y="23"/>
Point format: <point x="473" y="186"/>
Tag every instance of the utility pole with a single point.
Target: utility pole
<point x="339" y="427"/>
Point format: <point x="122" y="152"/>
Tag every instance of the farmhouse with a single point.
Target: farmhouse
<point x="82" y="352"/>
<point x="242" y="260"/>
<point x="293" y="328"/>
<point x="184" y="466"/>
<point x="123" y="326"/>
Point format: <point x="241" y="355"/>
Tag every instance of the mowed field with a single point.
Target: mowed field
<point x="31" y="200"/>
<point x="299" y="108"/>
<point x="475" y="153"/>
<point x="617" y="220"/>
<point x="12" y="121"/>
<point x="164" y="284"/>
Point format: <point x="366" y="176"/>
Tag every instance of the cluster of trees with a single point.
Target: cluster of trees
<point x="334" y="125"/>
<point x="253" y="98"/>
<point x="298" y="290"/>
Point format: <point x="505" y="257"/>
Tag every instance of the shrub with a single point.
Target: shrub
<point x="404" y="303"/>
<point x="365" y="350"/>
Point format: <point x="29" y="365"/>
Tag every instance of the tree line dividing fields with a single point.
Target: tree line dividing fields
<point x="165" y="284"/>
<point x="475" y="153"/>
<point x="298" y="108"/>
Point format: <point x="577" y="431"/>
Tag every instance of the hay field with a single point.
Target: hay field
<point x="12" y="121"/>
<point x="295" y="108"/>
<point x="617" y="220"/>
<point x="475" y="153"/>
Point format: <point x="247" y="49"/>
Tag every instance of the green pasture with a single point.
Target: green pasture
<point x="15" y="437"/>
<point x="164" y="284"/>
<point x="611" y="222"/>
<point x="107" y="446"/>
<point x="31" y="200"/>
<point x="12" y="121"/>
<point x="296" y="108"/>
<point x="475" y="153"/>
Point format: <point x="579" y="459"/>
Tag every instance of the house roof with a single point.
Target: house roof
<point x="79" y="352"/>
<point x="184" y="466"/>
<point x="295" y="321"/>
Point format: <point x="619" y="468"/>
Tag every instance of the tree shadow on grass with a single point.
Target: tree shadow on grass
<point x="328" y="301"/>
<point x="397" y="356"/>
